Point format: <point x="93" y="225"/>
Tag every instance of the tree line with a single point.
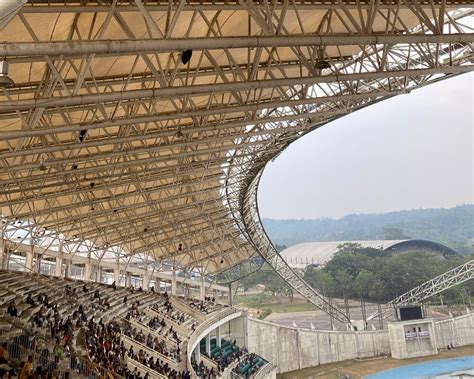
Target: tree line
<point x="451" y="227"/>
<point x="371" y="274"/>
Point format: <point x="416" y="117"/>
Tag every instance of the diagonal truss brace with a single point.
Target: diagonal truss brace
<point x="430" y="288"/>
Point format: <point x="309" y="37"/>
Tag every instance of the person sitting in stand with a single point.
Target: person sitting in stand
<point x="29" y="300"/>
<point x="11" y="310"/>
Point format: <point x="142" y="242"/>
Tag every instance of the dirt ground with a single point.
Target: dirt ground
<point x="356" y="369"/>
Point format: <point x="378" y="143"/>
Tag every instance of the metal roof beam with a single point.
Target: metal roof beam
<point x="154" y="46"/>
<point x="61" y="6"/>
<point x="240" y="122"/>
<point x="65" y="101"/>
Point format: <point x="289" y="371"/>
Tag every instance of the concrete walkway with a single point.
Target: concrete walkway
<point x="426" y="369"/>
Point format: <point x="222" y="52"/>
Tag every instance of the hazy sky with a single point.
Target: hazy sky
<point x="412" y="151"/>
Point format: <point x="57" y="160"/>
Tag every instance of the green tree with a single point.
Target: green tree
<point x="364" y="283"/>
<point x="344" y="280"/>
<point x="321" y="280"/>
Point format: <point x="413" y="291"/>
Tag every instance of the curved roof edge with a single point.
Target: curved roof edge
<point x="317" y="253"/>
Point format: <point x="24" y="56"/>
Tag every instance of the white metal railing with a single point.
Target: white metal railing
<point x="180" y="329"/>
<point x="138" y="345"/>
<point x="186" y="308"/>
<point x="144" y="369"/>
<point x="264" y="371"/>
<point x="153" y="332"/>
<point x="216" y="320"/>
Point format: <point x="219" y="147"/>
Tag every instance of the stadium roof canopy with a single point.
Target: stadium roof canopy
<point x="318" y="253"/>
<point x="143" y="126"/>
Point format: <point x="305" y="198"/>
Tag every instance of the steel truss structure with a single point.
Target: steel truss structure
<point x="142" y="128"/>
<point x="443" y="282"/>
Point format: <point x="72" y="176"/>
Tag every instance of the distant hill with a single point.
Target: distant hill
<point x="453" y="227"/>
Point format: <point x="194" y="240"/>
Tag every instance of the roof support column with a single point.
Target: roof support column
<point x="67" y="272"/>
<point x="117" y="272"/>
<point x="29" y="258"/>
<point x="197" y="354"/>
<point x="173" y="282"/>
<point x="146" y="281"/>
<point x="208" y="345"/>
<point x="88" y="270"/>
<point x="145" y="276"/>
<point x="58" y="270"/>
<point x="230" y="295"/>
<point x="3" y="253"/>
<point x="98" y="274"/>
<point x="202" y="289"/>
<point x="218" y="336"/>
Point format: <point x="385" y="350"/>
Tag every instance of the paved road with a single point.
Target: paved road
<point x="320" y="320"/>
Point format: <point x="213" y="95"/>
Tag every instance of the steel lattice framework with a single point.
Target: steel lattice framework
<point x="417" y="295"/>
<point x="116" y="136"/>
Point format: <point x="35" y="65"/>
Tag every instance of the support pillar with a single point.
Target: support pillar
<point x="87" y="271"/>
<point x="29" y="259"/>
<point x="38" y="264"/>
<point x="68" y="273"/>
<point x="58" y="270"/>
<point x="128" y="279"/>
<point x="117" y="276"/>
<point x="202" y="289"/>
<point x="197" y="354"/>
<point x="98" y="275"/>
<point x="218" y="336"/>
<point x="173" y="283"/>
<point x="157" y="285"/>
<point x="230" y="295"/>
<point x="117" y="272"/>
<point x="145" y="281"/>
<point x="3" y="252"/>
<point x="208" y="344"/>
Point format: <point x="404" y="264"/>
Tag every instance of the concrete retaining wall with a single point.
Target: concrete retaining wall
<point x="459" y="331"/>
<point x="295" y="348"/>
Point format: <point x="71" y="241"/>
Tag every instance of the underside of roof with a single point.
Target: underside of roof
<point x="145" y="125"/>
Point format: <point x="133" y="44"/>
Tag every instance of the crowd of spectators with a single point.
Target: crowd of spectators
<point x="14" y="365"/>
<point x="248" y="365"/>
<point x="153" y="343"/>
<point x="226" y="354"/>
<point x="204" y="372"/>
<point x="105" y="347"/>
<point x="108" y="351"/>
<point x="167" y="309"/>
<point x="156" y="365"/>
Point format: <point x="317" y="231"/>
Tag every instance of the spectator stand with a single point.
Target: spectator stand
<point x="170" y="343"/>
<point x="248" y="366"/>
<point x="142" y="369"/>
<point x="184" y="330"/>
